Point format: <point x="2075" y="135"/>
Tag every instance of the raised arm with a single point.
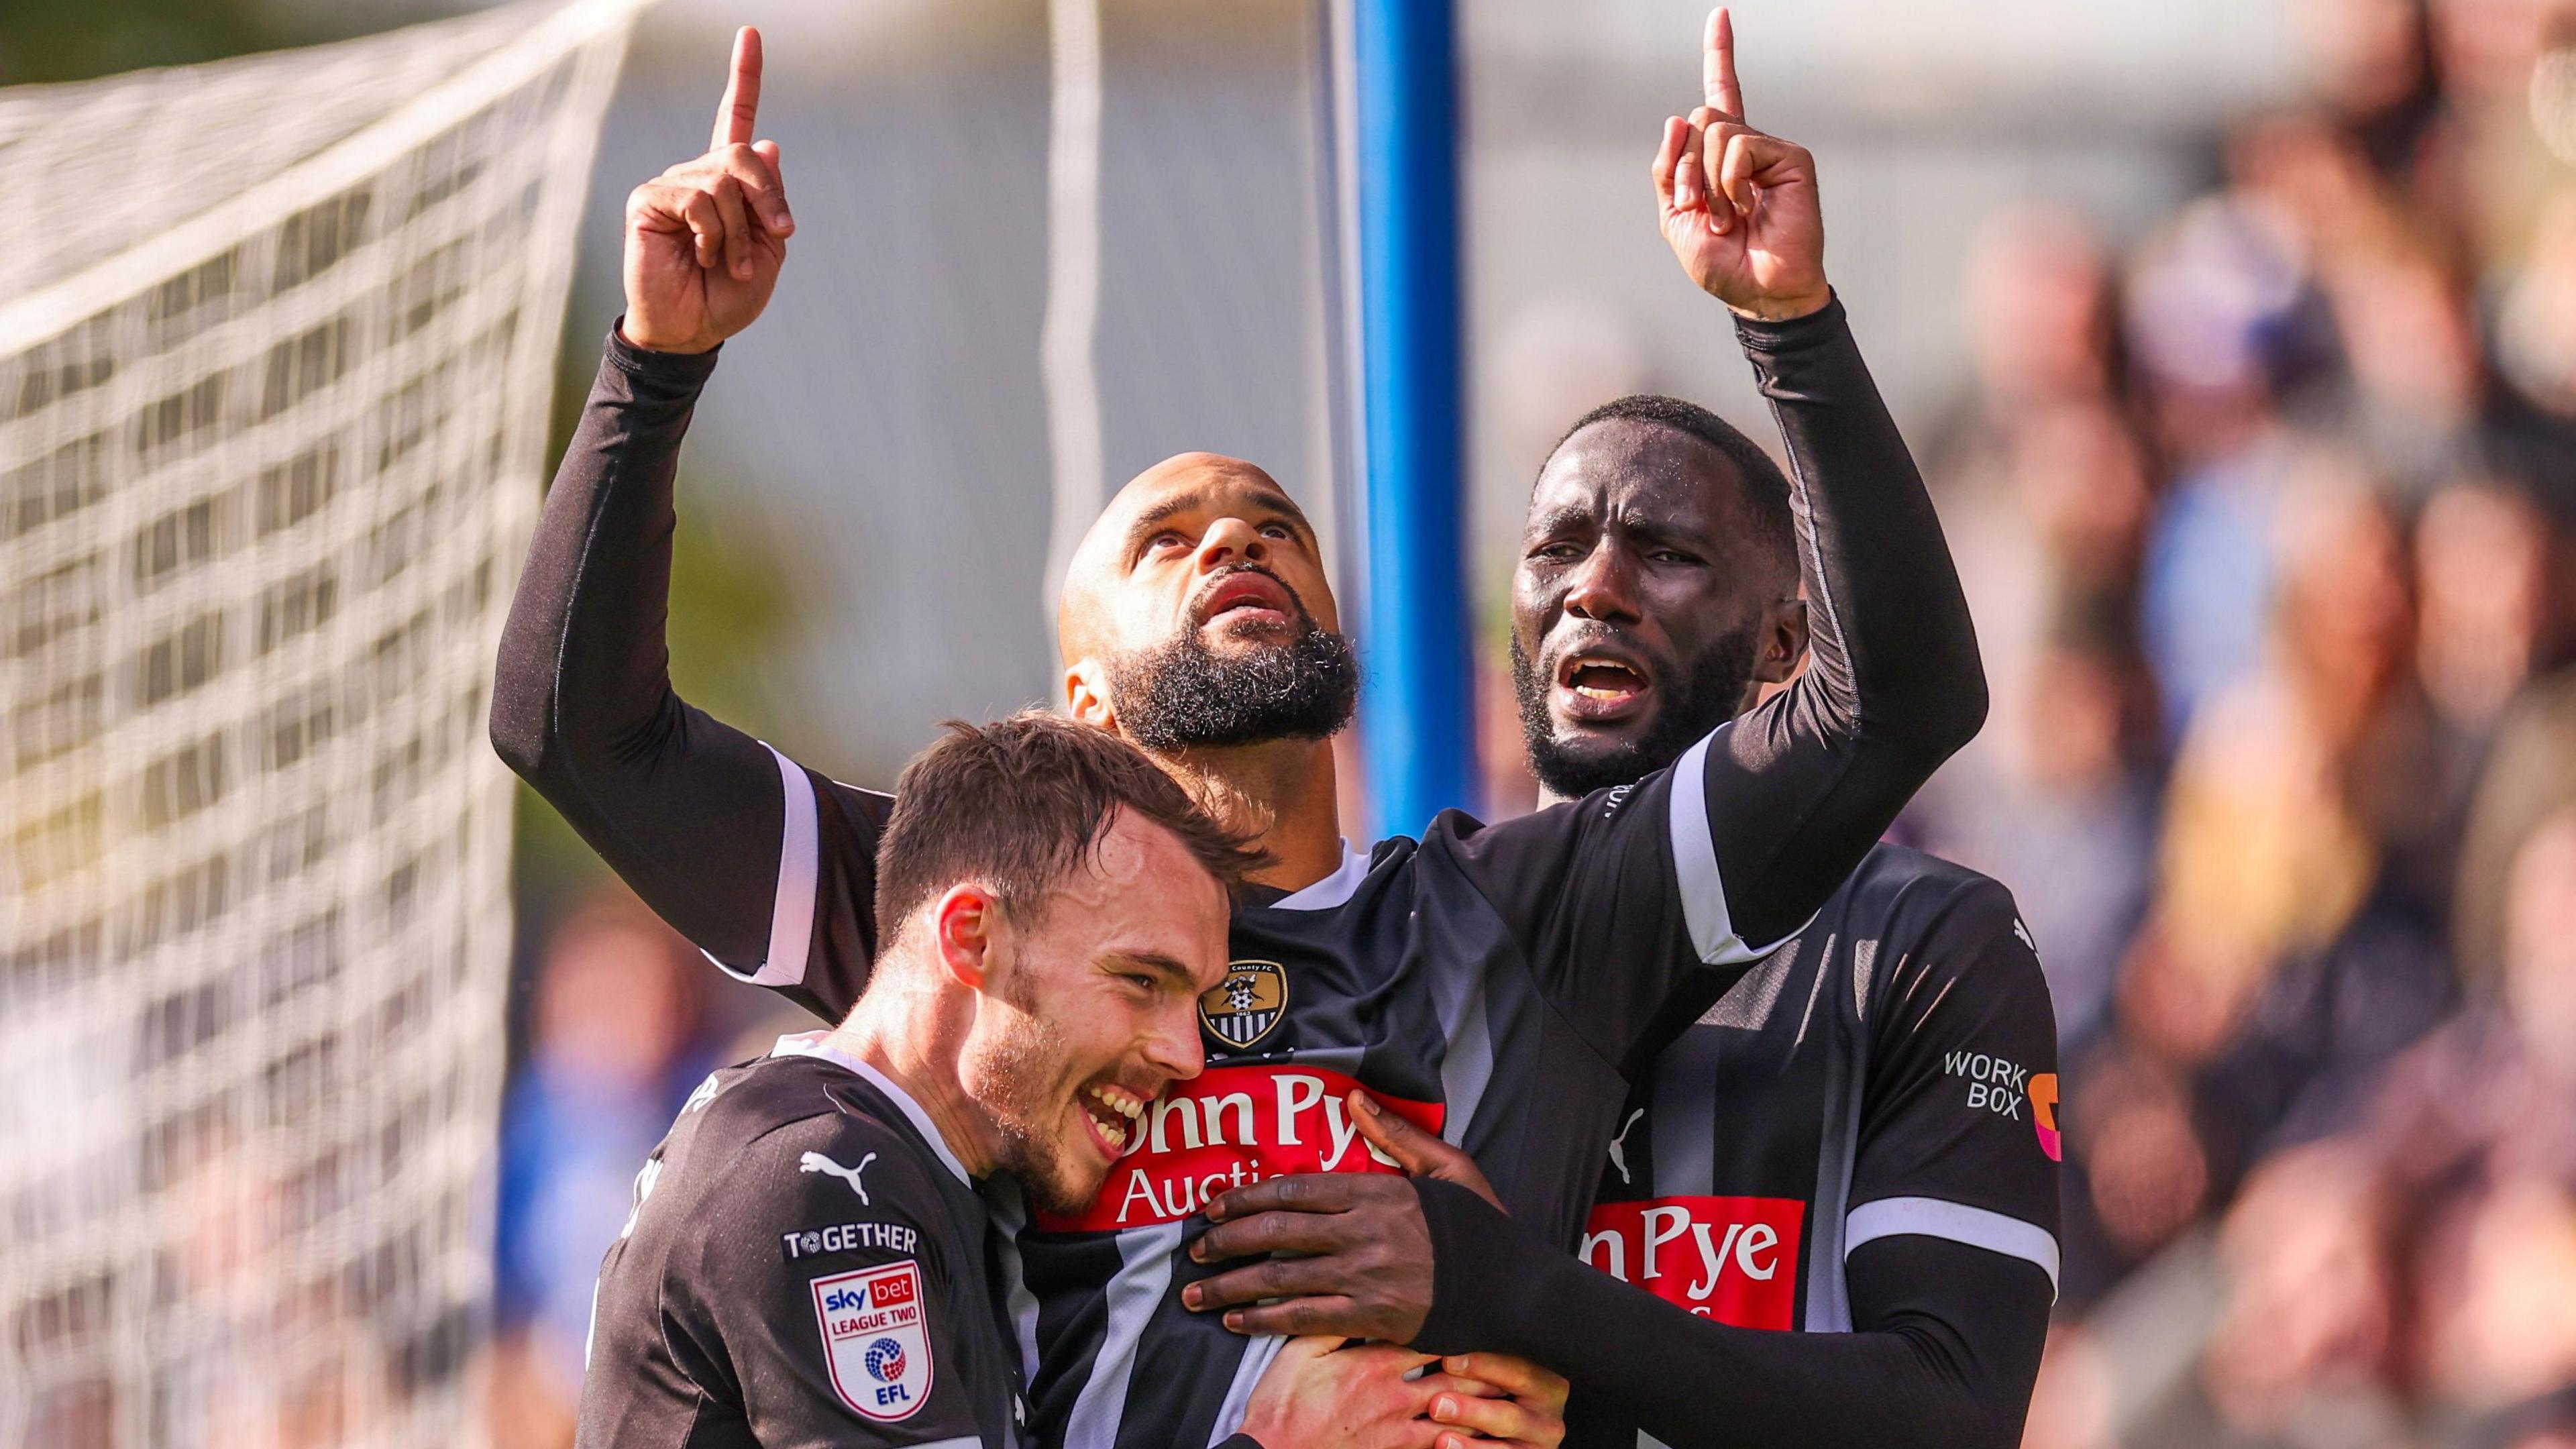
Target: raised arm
<point x="1634" y="906"/>
<point x="749" y="856"/>
<point x="1799" y="789"/>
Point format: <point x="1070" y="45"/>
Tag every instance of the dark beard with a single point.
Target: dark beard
<point x="1020" y="1071"/>
<point x="1704" y="699"/>
<point x="1182" y="695"/>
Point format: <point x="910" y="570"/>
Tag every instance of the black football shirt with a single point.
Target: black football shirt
<point x="1892" y="1073"/>
<point x="1501" y="984"/>
<point x="1492" y="984"/>
<point x="806" y="1265"/>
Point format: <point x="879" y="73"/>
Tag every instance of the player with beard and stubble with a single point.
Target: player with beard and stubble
<point x="1498" y="986"/>
<point x="807" y="1259"/>
<point x="1858" y="1141"/>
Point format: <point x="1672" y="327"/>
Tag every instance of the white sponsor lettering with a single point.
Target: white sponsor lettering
<point x="1215" y="1108"/>
<point x="1185" y="1108"/>
<point x="1614" y="1259"/>
<point x="1994" y="1084"/>
<point x="1980" y="1067"/>
<point x="1658" y="1234"/>
<point x="852" y="1238"/>
<point x="1758" y="1238"/>
<point x="1718" y="1257"/>
<point x="1234" y="1126"/>
<point x="1182" y="1196"/>
<point x="1297" y="1093"/>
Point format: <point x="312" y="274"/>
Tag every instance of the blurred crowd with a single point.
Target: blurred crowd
<point x="2268" y="516"/>
<point x="620" y="1020"/>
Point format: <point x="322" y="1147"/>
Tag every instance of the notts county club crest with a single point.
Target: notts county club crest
<point x="1242" y="1009"/>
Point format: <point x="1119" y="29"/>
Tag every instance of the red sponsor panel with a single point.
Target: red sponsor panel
<point x="1229" y="1126"/>
<point x="1734" y="1259"/>
<point x="894" y="1291"/>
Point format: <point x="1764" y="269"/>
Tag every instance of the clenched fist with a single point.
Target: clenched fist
<point x="705" y="239"/>
<point x="1739" y="206"/>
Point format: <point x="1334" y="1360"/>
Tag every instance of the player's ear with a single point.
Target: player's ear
<point x="1781" y="643"/>
<point x="1086" y="695"/>
<point x="966" y="925"/>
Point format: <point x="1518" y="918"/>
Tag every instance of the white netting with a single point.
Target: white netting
<point x="275" y="357"/>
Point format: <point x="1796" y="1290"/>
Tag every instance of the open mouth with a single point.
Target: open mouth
<point x="1113" y="1112"/>
<point x="1247" y="597"/>
<point x="1597" y="687"/>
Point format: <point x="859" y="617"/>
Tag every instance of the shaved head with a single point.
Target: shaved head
<point x="1156" y="496"/>
<point x="1196" y="612"/>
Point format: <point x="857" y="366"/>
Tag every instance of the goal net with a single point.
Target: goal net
<point x="277" y="338"/>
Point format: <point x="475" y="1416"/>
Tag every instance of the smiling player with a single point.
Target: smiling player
<point x="805" y="1263"/>
<point x="1498" y="985"/>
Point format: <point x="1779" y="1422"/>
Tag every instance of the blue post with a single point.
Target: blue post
<point x="1418" y="720"/>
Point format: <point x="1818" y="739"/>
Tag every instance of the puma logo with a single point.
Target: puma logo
<point x="817" y="1162"/>
<point x="1619" y="1147"/>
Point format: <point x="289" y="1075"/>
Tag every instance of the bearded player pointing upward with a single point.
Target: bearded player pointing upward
<point x="1498" y="985"/>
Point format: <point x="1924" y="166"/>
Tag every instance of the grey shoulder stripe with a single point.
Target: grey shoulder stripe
<point x="1695" y="875"/>
<point x="1932" y="1217"/>
<point x="791" y="906"/>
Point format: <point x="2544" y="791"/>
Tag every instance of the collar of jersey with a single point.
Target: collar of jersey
<point x="810" y="1044"/>
<point x="1333" y="889"/>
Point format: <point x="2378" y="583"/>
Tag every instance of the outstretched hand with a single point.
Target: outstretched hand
<point x="1364" y="1263"/>
<point x="705" y="239"/>
<point x="1739" y="206"/>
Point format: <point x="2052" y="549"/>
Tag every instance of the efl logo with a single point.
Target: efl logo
<point x="1734" y="1259"/>
<point x="1229" y="1126"/>
<point x="876" y="1339"/>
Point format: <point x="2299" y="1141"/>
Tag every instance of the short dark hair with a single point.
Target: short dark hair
<point x="1022" y="802"/>
<point x="1766" y="488"/>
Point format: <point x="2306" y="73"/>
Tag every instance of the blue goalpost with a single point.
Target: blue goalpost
<point x="1419" y="717"/>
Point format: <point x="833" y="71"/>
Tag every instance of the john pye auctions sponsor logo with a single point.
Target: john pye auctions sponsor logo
<point x="1229" y="1126"/>
<point x="1734" y="1259"/>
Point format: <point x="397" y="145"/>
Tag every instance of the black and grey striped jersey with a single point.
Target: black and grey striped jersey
<point x="1857" y="1143"/>
<point x="1892" y="1072"/>
<point x="1490" y="983"/>
<point x="1500" y="982"/>
<point x="806" y="1265"/>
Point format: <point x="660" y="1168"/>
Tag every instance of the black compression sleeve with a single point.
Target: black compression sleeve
<point x="687" y="810"/>
<point x="1945" y="1349"/>
<point x="1800" y="788"/>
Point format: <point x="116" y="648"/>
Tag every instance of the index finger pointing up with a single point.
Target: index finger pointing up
<point x="1717" y="65"/>
<point x="740" y="108"/>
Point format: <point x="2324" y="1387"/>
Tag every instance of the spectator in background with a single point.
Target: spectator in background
<point x="615" y="1046"/>
<point x="2269" y="525"/>
<point x="2216" y="311"/>
<point x="2045" y="484"/>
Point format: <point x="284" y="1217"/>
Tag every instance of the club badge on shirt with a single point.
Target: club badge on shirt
<point x="876" y="1339"/>
<point x="1247" y="1004"/>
